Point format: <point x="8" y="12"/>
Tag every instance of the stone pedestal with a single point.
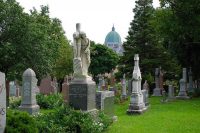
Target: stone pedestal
<point x="82" y="94"/>
<point x="182" y="92"/>
<point x="136" y="101"/>
<point x="170" y="93"/>
<point x="29" y="82"/>
<point x="105" y="102"/>
<point x="145" y="94"/>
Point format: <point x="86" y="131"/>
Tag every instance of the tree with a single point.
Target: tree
<point x="28" y="40"/>
<point x="142" y="40"/>
<point x="103" y="59"/>
<point x="182" y="37"/>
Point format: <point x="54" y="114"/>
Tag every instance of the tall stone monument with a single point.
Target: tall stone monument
<point x="2" y="103"/>
<point x="136" y="101"/>
<point x="29" y="83"/>
<point x="182" y="92"/>
<point x="124" y="95"/>
<point x="157" y="90"/>
<point x="82" y="89"/>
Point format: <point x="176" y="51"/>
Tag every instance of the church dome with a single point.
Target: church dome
<point x="113" y="38"/>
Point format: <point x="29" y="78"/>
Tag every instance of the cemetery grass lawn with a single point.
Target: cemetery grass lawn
<point x="180" y="116"/>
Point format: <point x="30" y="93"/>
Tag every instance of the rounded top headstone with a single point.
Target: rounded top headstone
<point x="29" y="73"/>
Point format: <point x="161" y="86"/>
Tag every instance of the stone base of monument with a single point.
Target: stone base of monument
<point x="137" y="105"/>
<point x="182" y="95"/>
<point x="31" y="109"/>
<point x="105" y="102"/>
<point x="82" y="94"/>
<point x="157" y="92"/>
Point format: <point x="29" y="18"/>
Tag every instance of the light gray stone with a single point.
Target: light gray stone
<point x="124" y="95"/>
<point x="171" y="93"/>
<point x="182" y="92"/>
<point x="129" y="87"/>
<point x="29" y="83"/>
<point x="2" y="103"/>
<point x="157" y="90"/>
<point x="136" y="100"/>
<point x="13" y="88"/>
<point x="145" y="94"/>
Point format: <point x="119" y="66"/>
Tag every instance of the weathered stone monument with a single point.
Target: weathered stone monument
<point x="65" y="89"/>
<point x="182" y="92"/>
<point x="47" y="86"/>
<point x="82" y="89"/>
<point x="105" y="102"/>
<point x="145" y="92"/>
<point x="13" y="89"/>
<point x="157" y="90"/>
<point x="170" y="93"/>
<point x="124" y="95"/>
<point x="136" y="101"/>
<point x="2" y="103"/>
<point x="29" y="83"/>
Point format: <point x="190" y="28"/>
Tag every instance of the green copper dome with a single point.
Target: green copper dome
<point x="113" y="38"/>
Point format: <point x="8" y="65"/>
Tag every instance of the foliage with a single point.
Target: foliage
<point x="28" y="40"/>
<point x="51" y="101"/>
<point x="65" y="120"/>
<point x="103" y="59"/>
<point x="14" y="102"/>
<point x="20" y="122"/>
<point x="179" y="23"/>
<point x="142" y="40"/>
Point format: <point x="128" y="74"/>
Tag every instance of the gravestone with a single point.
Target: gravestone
<point x="47" y="86"/>
<point x="13" y="88"/>
<point x="82" y="89"/>
<point x="182" y="92"/>
<point x="100" y="82"/>
<point x="105" y="102"/>
<point x="157" y="90"/>
<point x="124" y="95"/>
<point x="171" y="93"/>
<point x="2" y="103"/>
<point x="65" y="89"/>
<point x="136" y="100"/>
<point x="129" y="87"/>
<point x="145" y="93"/>
<point x="29" y="83"/>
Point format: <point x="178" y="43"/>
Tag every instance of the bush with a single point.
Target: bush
<point x="20" y="122"/>
<point x="66" y="120"/>
<point x="14" y="102"/>
<point x="49" y="101"/>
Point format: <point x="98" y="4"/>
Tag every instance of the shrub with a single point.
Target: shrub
<point x="20" y="122"/>
<point x="14" y="102"/>
<point x="49" y="101"/>
<point x="66" y="120"/>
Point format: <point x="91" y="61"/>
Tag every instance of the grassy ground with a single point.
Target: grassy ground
<point x="180" y="116"/>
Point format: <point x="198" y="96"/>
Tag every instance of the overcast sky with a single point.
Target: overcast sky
<point x="96" y="16"/>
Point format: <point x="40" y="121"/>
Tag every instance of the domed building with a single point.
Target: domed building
<point x="113" y="41"/>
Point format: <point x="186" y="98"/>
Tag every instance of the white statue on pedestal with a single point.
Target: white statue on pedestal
<point x="81" y="49"/>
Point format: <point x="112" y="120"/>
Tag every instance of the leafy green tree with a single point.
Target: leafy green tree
<point x="182" y="37"/>
<point x="103" y="59"/>
<point x="142" y="40"/>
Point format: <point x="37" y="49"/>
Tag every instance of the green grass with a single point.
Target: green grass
<point x="180" y="116"/>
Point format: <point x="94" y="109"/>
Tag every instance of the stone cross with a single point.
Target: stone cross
<point x="29" y="83"/>
<point x="2" y="103"/>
